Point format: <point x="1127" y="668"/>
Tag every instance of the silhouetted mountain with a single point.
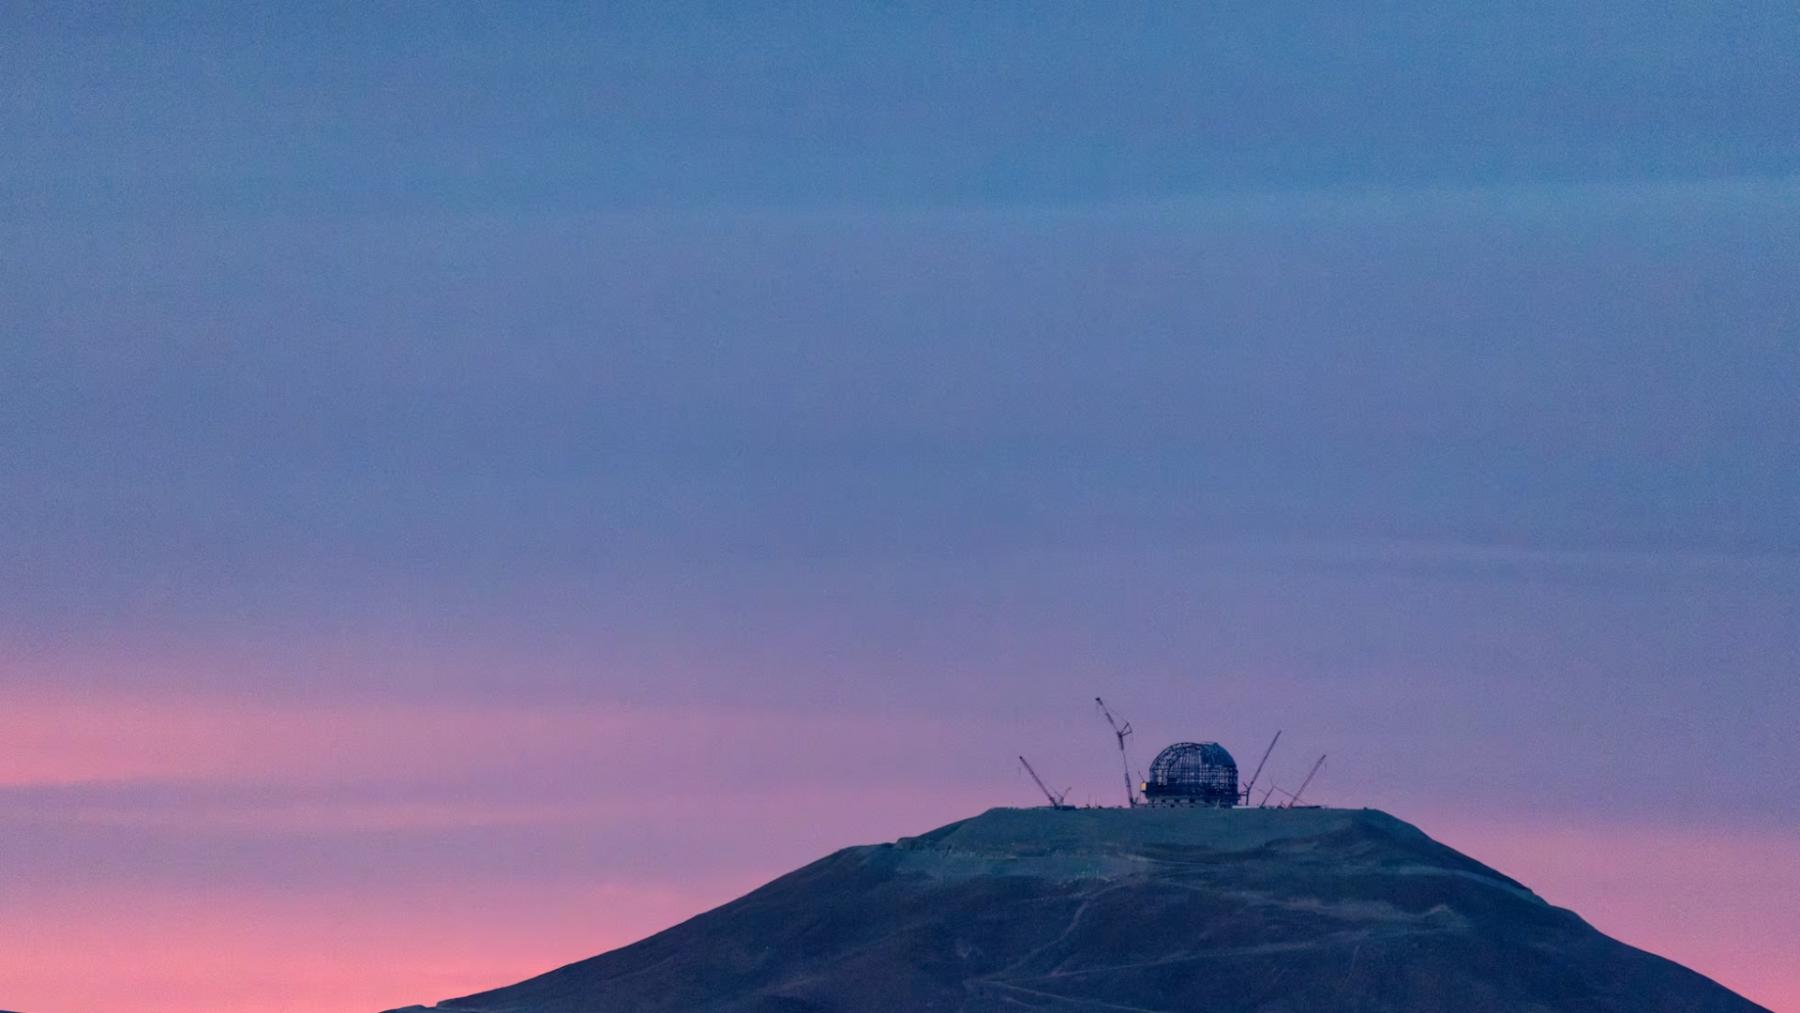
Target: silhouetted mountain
<point x="1267" y="910"/>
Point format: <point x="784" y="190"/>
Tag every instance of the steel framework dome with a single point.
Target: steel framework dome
<point x="1192" y="773"/>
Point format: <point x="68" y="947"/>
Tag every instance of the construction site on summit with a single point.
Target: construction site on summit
<point x="1187" y="774"/>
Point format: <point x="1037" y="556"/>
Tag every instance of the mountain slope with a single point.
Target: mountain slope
<point x="1267" y="910"/>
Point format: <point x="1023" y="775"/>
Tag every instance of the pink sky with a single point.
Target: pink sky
<point x="232" y="855"/>
<point x="480" y="483"/>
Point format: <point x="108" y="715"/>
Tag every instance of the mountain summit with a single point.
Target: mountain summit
<point x="1092" y="910"/>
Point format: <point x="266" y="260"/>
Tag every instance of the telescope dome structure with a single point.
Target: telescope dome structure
<point x="1192" y="773"/>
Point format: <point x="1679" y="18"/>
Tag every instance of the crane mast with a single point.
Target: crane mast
<point x="1120" y="733"/>
<point x="1259" y="767"/>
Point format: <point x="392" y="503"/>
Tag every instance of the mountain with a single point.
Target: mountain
<point x="1092" y="910"/>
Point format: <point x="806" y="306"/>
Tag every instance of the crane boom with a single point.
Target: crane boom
<point x="1120" y="733"/>
<point x="1259" y="766"/>
<point x="1056" y="801"/>
<point x="1294" y="799"/>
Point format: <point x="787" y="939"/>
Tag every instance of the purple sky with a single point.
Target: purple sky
<point x="479" y="487"/>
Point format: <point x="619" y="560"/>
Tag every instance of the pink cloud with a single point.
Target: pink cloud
<point x="112" y="946"/>
<point x="620" y="805"/>
<point x="66" y="739"/>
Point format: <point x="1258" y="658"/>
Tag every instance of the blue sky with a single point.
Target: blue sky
<point x="256" y="108"/>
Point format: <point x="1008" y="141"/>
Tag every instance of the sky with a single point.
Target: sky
<point x="479" y="485"/>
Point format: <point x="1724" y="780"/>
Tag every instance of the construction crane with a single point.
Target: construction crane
<point x="1294" y="799"/>
<point x="1259" y="767"/>
<point x="1120" y="733"/>
<point x="1056" y="800"/>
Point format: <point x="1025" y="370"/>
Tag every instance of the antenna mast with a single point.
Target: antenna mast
<point x="1294" y="799"/>
<point x="1120" y="733"/>
<point x="1056" y="801"/>
<point x="1259" y="767"/>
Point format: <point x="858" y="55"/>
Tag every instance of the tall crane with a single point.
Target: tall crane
<point x="1294" y="799"/>
<point x="1120" y="733"/>
<point x="1056" y="800"/>
<point x="1259" y="767"/>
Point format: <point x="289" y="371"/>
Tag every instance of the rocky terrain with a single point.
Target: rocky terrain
<point x="1224" y="911"/>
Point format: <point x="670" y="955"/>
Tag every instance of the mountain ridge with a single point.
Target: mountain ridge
<point x="1149" y="910"/>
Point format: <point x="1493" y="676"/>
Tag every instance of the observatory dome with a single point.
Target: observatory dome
<point x="1192" y="773"/>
